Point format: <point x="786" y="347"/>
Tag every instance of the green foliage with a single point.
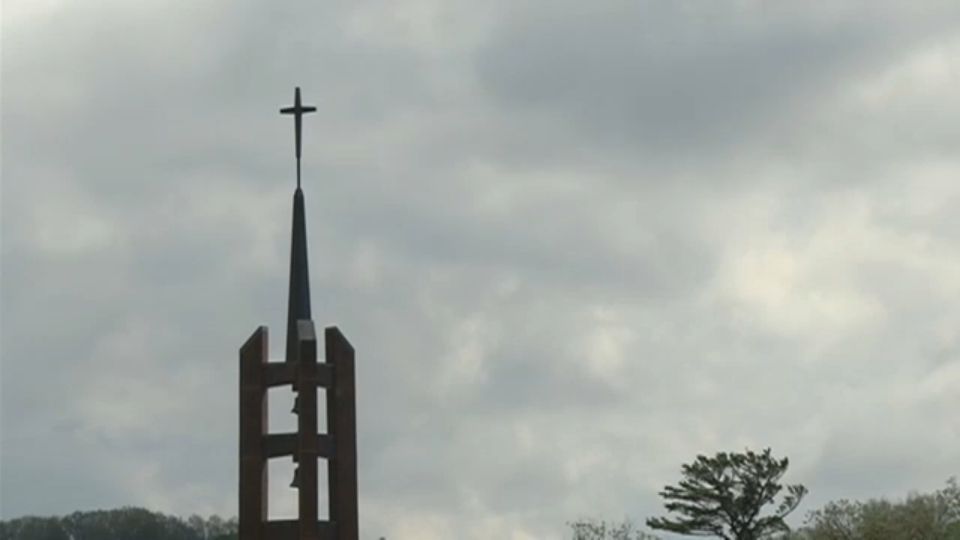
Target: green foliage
<point x="33" y="528"/>
<point x="122" y="524"/>
<point x="591" y="529"/>
<point x="724" y="495"/>
<point x="934" y="516"/>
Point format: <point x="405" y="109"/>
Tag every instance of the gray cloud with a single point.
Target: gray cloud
<point x="573" y="246"/>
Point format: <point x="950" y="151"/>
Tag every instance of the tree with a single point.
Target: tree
<point x="591" y="529"/>
<point x="120" y="524"/>
<point x="33" y="528"/>
<point x="723" y="496"/>
<point x="837" y="520"/>
<point x="931" y="516"/>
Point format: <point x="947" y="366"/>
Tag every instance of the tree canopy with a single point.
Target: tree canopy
<point x="931" y="516"/>
<point x="724" y="495"/>
<point x="594" y="529"/>
<point x="121" y="524"/>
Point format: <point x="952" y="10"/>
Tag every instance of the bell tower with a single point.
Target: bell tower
<point x="302" y="371"/>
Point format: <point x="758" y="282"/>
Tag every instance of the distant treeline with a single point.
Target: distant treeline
<point x="926" y="516"/>
<point x="919" y="516"/>
<point x="123" y="524"/>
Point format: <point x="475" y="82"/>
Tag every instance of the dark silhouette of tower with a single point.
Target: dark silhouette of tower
<point x="305" y="375"/>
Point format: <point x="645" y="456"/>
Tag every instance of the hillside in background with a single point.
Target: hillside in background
<point x="926" y="516"/>
<point x="122" y="524"/>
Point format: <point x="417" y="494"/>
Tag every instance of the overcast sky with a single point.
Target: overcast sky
<point x="574" y="243"/>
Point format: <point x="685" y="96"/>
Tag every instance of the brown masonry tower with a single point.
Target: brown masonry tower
<point x="301" y="370"/>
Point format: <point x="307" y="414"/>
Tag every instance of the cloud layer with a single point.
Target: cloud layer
<point x="574" y="247"/>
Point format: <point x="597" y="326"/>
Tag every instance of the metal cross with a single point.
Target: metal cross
<point x="298" y="110"/>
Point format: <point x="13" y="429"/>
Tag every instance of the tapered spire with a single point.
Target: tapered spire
<point x="298" y="302"/>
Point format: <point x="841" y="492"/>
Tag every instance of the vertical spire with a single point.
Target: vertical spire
<point x="298" y="302"/>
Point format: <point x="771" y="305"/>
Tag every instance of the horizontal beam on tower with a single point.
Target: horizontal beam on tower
<point x="289" y="529"/>
<point x="285" y="444"/>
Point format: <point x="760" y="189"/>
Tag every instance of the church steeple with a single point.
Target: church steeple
<point x="298" y="302"/>
<point x="305" y="376"/>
